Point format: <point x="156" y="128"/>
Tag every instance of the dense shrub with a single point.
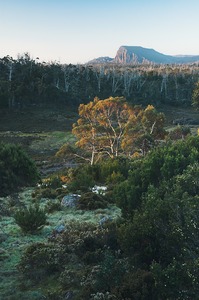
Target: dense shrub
<point x="162" y="235"/>
<point x="115" y="178"/>
<point x="110" y="273"/>
<point x="45" y="192"/>
<point x="30" y="219"/>
<point x="178" y="280"/>
<point x="81" y="180"/>
<point x="83" y="237"/>
<point x="41" y="259"/>
<point x="112" y="167"/>
<point x="50" y="188"/>
<point x="91" y="201"/>
<point x="86" y="243"/>
<point x="179" y="133"/>
<point x="16" y="169"/>
<point x="106" y="171"/>
<point x="53" y="182"/>
<point x="161" y="164"/>
<point x="139" y="285"/>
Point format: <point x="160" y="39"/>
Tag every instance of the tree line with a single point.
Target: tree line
<point x="26" y="81"/>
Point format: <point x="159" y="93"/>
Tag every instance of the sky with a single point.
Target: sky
<point x="76" y="31"/>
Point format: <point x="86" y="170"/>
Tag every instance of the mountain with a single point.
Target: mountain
<point x="135" y="54"/>
<point x="140" y="55"/>
<point x="101" y="60"/>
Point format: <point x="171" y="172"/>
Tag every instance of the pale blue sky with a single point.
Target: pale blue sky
<point x="75" y="31"/>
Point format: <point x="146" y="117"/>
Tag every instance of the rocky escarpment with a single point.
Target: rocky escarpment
<point x="141" y="55"/>
<point x="136" y="54"/>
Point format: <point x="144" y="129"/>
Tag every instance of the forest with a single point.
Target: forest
<point x="28" y="82"/>
<point x="106" y="209"/>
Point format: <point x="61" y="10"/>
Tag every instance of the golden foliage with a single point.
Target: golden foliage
<point x="112" y="125"/>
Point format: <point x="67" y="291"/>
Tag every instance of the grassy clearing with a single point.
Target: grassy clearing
<point x="52" y="140"/>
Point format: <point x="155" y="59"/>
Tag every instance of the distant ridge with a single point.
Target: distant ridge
<point x="141" y="55"/>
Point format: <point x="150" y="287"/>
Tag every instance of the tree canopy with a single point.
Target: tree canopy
<point x="195" y="96"/>
<point x="112" y="127"/>
<point x="26" y="81"/>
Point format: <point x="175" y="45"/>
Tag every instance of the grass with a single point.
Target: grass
<point x="52" y="140"/>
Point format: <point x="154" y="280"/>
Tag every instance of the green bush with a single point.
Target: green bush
<point x="30" y="219"/>
<point x="46" y="192"/>
<point x="41" y="259"/>
<point x="91" y="201"/>
<point x="81" y="181"/>
<point x="52" y="206"/>
<point x="16" y="169"/>
<point x="108" y="171"/>
<point x="179" y="133"/>
<point x="115" y="178"/>
<point x="110" y="273"/>
<point x="161" y="164"/>
<point x="54" y="182"/>
<point x="81" y="238"/>
<point x="139" y="284"/>
<point x="177" y="280"/>
<point x="112" y="167"/>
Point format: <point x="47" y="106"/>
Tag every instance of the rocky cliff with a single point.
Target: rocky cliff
<point x="140" y="55"/>
<point x="135" y="54"/>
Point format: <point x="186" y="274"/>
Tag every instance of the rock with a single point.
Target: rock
<point x="99" y="189"/>
<point x="70" y="200"/>
<point x="69" y="295"/>
<point x="104" y="220"/>
<point x="60" y="228"/>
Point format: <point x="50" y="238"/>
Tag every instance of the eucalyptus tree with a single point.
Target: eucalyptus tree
<point x="111" y="126"/>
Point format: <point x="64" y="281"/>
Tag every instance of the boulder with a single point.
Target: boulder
<point x="70" y="200"/>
